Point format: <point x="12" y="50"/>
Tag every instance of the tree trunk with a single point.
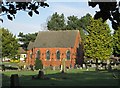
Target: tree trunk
<point x="96" y="64"/>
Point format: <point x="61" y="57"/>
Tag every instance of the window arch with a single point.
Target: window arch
<point x="58" y="55"/>
<point x="68" y="54"/>
<point x="48" y="55"/>
<point x="38" y="54"/>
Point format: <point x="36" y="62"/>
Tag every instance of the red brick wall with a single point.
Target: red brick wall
<point x="53" y="61"/>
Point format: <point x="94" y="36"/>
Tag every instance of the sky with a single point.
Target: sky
<point x="26" y="24"/>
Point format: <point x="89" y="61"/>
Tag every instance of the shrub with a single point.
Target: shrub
<point x="38" y="64"/>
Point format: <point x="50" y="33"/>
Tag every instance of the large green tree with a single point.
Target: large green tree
<point x="74" y="23"/>
<point x="24" y="39"/>
<point x="9" y="44"/>
<point x="98" y="43"/>
<point x="116" y="39"/>
<point x="56" y="22"/>
<point x="85" y="21"/>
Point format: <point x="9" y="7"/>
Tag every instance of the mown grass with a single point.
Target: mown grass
<point x="73" y="77"/>
<point x="10" y="63"/>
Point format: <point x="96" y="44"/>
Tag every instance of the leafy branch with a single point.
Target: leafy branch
<point x="11" y="8"/>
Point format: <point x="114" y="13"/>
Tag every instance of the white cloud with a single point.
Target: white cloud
<point x="68" y="11"/>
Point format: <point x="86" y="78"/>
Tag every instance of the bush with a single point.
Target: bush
<point x="38" y="64"/>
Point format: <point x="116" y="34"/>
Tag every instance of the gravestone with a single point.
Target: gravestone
<point x="31" y="67"/>
<point x="14" y="81"/>
<point x="109" y="68"/>
<point x="40" y="74"/>
<point x="53" y="68"/>
<point x="3" y="67"/>
<point x="63" y="65"/>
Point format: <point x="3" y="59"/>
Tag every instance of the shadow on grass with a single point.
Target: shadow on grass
<point x="83" y="79"/>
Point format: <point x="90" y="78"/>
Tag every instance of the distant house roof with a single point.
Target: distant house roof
<point x="22" y="51"/>
<point x="30" y="45"/>
<point x="54" y="39"/>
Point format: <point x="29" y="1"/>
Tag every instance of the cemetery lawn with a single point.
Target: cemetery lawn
<point x="73" y="77"/>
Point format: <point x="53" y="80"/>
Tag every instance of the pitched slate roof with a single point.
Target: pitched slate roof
<point x="30" y="45"/>
<point x="54" y="39"/>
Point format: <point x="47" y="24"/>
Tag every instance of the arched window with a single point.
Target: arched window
<point x="58" y="55"/>
<point x="48" y="55"/>
<point x="68" y="55"/>
<point x="38" y="54"/>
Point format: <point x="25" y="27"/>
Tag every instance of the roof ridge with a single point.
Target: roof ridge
<point x="58" y="31"/>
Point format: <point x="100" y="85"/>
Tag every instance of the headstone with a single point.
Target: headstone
<point x="53" y="67"/>
<point x="83" y="65"/>
<point x="3" y="67"/>
<point x="14" y="81"/>
<point x="63" y="66"/>
<point x="31" y="67"/>
<point x="109" y="68"/>
<point x="41" y="74"/>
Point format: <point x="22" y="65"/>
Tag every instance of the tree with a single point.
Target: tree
<point x="38" y="64"/>
<point x="9" y="44"/>
<point x="56" y="22"/>
<point x="98" y="43"/>
<point x="10" y="8"/>
<point x="108" y="10"/>
<point x="116" y="39"/>
<point x="85" y="21"/>
<point x="73" y="23"/>
<point x="24" y="39"/>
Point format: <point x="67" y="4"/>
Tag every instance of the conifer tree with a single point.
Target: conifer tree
<point x="56" y="22"/>
<point x="38" y="64"/>
<point x="98" y="43"/>
<point x="116" y="48"/>
<point x="9" y="44"/>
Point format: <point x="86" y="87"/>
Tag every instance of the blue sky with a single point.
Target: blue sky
<point x="26" y="24"/>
